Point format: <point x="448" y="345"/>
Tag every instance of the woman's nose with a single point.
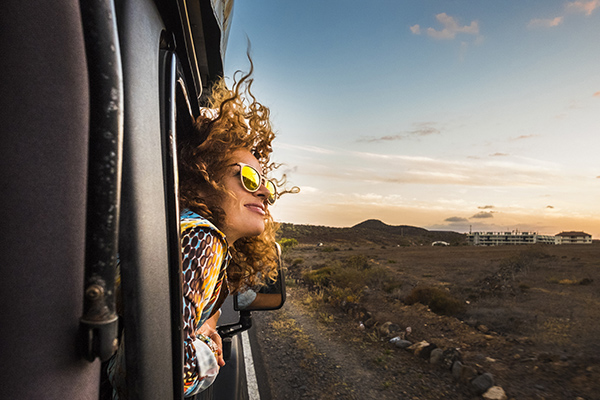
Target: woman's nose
<point x="262" y="191"/>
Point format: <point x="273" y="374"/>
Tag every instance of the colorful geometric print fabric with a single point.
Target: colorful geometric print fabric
<point x="204" y="261"/>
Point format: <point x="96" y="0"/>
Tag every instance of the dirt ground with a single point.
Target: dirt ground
<point x="531" y="319"/>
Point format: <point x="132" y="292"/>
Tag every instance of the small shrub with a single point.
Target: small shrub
<point x="314" y="300"/>
<point x="289" y="282"/>
<point x="339" y="295"/>
<point x="524" y="286"/>
<point x="327" y="249"/>
<point x="350" y="278"/>
<point x="297" y="261"/>
<point x="568" y="282"/>
<point x="556" y="331"/>
<point x="287" y="244"/>
<point x="319" y="277"/>
<point x="359" y="261"/>
<point x="325" y="318"/>
<point x="391" y="261"/>
<point x="438" y="300"/>
<point x="391" y="286"/>
<point x="379" y="277"/>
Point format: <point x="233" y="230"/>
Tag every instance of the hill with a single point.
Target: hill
<point x="369" y="232"/>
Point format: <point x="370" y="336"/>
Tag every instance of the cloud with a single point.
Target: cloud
<point x="581" y="6"/>
<point x="452" y="28"/>
<point x="525" y="137"/>
<point x="586" y="7"/>
<point x="372" y="168"/>
<point x="382" y="139"/>
<point x="597" y="94"/>
<point x="499" y="155"/>
<point x="550" y="207"/>
<point x="545" y="23"/>
<point x="420" y="129"/>
<point x="310" y="149"/>
<point x="484" y="214"/>
<point x="456" y="219"/>
<point x="424" y="129"/>
<point x="485" y="207"/>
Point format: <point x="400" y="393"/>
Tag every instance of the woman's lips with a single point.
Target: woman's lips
<point x="257" y="208"/>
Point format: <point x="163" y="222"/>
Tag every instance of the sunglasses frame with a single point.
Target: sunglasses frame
<point x="263" y="181"/>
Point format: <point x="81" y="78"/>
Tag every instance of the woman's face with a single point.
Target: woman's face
<point x="244" y="211"/>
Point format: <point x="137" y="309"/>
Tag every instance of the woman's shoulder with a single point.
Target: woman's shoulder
<point x="190" y="220"/>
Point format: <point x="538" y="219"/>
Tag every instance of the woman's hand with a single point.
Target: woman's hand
<point x="209" y="330"/>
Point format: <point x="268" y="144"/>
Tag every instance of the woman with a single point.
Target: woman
<point x="227" y="232"/>
<point x="226" y="228"/>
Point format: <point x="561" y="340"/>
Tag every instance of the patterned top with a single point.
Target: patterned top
<point x="205" y="258"/>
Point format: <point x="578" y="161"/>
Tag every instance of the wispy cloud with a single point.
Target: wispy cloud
<point x="586" y="7"/>
<point x="415" y="29"/>
<point x="307" y="148"/>
<point x="499" y="155"/>
<point x="456" y="219"/>
<point x="402" y="169"/>
<point x="522" y="137"/>
<point x="450" y="28"/>
<point x="424" y="129"/>
<point x="420" y="129"/>
<point x="597" y="94"/>
<point x="545" y="23"/>
<point x="487" y="207"/>
<point x="484" y="214"/>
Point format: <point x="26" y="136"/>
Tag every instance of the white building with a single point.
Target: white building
<point x="574" y="237"/>
<point x="508" y="238"/>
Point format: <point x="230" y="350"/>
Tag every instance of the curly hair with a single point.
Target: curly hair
<point x="240" y="123"/>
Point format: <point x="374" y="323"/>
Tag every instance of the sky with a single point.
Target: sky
<point x="444" y="114"/>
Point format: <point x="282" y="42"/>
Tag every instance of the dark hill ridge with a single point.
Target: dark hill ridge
<point x="376" y="224"/>
<point x="369" y="232"/>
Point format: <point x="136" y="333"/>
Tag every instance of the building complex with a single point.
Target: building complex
<point x="516" y="237"/>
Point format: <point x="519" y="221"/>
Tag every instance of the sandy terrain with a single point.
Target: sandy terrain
<point x="530" y="317"/>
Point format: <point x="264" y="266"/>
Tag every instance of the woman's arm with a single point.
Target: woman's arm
<point x="203" y="253"/>
<point x="209" y="329"/>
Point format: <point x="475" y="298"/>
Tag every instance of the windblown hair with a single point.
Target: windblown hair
<point x="204" y="156"/>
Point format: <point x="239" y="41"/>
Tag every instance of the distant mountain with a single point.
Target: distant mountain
<point x="370" y="231"/>
<point x="376" y="224"/>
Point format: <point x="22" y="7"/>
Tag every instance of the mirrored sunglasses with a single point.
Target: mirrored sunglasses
<point x="252" y="180"/>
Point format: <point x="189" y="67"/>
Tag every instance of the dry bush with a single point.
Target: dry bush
<point x="339" y="296"/>
<point x="350" y="278"/>
<point x="382" y="278"/>
<point x="555" y="331"/>
<point x="320" y="276"/>
<point x="359" y="261"/>
<point x="438" y="300"/>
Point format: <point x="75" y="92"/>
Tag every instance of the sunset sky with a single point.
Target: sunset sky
<point x="447" y="115"/>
